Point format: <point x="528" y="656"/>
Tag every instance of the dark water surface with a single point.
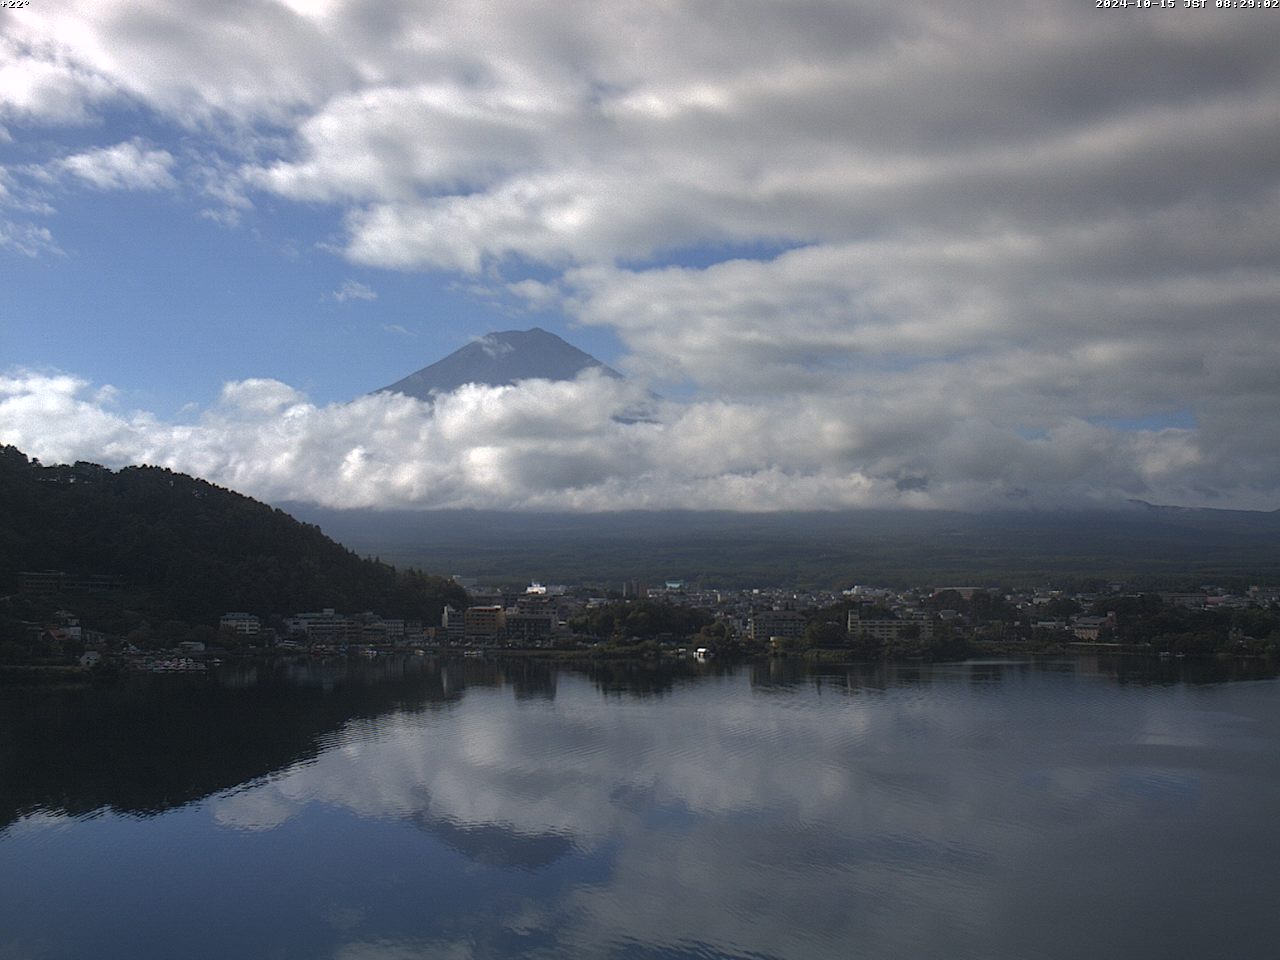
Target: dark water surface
<point x="404" y="809"/>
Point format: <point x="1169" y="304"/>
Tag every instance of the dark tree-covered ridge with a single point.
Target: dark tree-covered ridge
<point x="183" y="548"/>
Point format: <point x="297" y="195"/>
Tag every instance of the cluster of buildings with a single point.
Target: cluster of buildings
<point x="540" y="616"/>
<point x="536" y="617"/>
<point x="62" y="631"/>
<point x="326" y="628"/>
<point x="886" y="615"/>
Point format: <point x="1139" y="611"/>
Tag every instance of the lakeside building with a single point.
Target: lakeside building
<point x="529" y="627"/>
<point x="326" y="627"/>
<point x="546" y="590"/>
<point x="487" y="622"/>
<point x="1092" y="628"/>
<point x="243" y="624"/>
<point x="888" y="630"/>
<point x="766" y="624"/>
<point x="453" y="625"/>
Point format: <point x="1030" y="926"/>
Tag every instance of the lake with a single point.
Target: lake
<point x="411" y="808"/>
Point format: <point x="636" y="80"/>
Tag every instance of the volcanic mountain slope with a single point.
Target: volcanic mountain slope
<point x="501" y="359"/>
<point x="1144" y="546"/>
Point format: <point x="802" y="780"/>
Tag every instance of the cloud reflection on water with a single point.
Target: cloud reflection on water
<point x="906" y="820"/>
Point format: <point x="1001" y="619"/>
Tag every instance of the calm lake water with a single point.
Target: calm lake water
<point x="396" y="810"/>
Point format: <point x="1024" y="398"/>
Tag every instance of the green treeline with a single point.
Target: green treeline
<point x="182" y="549"/>
<point x="1197" y="632"/>
<point x="644" y="619"/>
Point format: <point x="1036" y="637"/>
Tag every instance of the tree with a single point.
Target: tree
<point x="825" y="633"/>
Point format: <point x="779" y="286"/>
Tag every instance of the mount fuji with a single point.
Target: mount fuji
<point x="501" y="359"/>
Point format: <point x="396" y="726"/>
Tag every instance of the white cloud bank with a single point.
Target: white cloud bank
<point x="125" y="166"/>
<point x="974" y="234"/>
<point x="569" y="445"/>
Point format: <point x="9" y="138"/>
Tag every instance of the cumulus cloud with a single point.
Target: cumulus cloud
<point x="572" y="446"/>
<point x="38" y="83"/>
<point x="125" y="166"/>
<point x="194" y="63"/>
<point x="944" y="247"/>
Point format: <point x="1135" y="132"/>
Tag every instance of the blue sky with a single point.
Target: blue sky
<point x="149" y="295"/>
<point x="1016" y="254"/>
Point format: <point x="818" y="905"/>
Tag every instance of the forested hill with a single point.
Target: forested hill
<point x="182" y="548"/>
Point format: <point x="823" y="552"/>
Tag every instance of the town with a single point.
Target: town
<point x="675" y="618"/>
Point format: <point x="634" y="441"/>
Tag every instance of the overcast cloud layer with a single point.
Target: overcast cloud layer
<point x="1015" y="253"/>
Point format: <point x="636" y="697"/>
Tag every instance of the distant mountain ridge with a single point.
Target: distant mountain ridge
<point x="499" y="360"/>
<point x="1165" y="547"/>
